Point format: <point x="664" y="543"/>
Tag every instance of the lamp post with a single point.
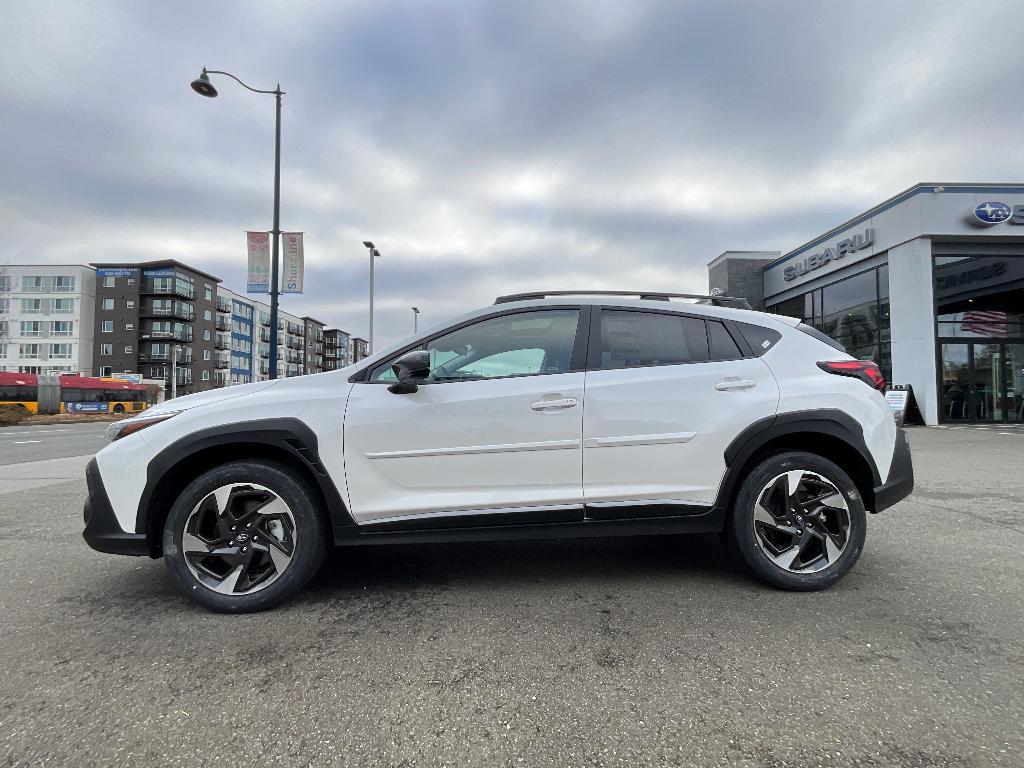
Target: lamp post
<point x="174" y="371"/>
<point x="204" y="87"/>
<point x="415" y="320"/>
<point x="374" y="254"/>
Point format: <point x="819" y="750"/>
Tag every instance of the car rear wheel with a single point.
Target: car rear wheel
<point x="244" y="537"/>
<point x="798" y="521"/>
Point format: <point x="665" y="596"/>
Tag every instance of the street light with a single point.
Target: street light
<point x="415" y="320"/>
<point x="204" y="87"/>
<point x="374" y="254"/>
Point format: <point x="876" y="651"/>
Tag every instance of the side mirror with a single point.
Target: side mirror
<point x="411" y="369"/>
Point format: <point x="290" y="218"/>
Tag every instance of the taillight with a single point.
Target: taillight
<point x="864" y="370"/>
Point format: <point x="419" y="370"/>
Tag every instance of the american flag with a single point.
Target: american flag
<point x="984" y="323"/>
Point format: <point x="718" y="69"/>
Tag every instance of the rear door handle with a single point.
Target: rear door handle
<point x="553" y="405"/>
<point x="726" y="384"/>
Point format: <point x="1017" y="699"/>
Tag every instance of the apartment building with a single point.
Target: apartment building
<point x="146" y="313"/>
<point x="360" y="349"/>
<point x="337" y="349"/>
<point x="46" y="318"/>
<point x="243" y="341"/>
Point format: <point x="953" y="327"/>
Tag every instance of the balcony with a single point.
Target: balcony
<point x="264" y="319"/>
<point x="178" y="288"/>
<point x="222" y="342"/>
<point x="163" y="357"/>
<point x="223" y="323"/>
<point x="179" y="310"/>
<point x="223" y="304"/>
<point x="222" y="362"/>
<point x="178" y="334"/>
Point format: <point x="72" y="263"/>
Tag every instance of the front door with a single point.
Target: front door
<point x="494" y="435"/>
<point x="982" y="382"/>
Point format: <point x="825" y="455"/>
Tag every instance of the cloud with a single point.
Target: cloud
<point x="488" y="147"/>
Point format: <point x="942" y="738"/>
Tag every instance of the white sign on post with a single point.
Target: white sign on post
<point x="291" y="279"/>
<point x="258" y="280"/>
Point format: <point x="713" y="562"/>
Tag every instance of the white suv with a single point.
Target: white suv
<point x="545" y="415"/>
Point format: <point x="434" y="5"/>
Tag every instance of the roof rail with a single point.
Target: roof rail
<point x="735" y="302"/>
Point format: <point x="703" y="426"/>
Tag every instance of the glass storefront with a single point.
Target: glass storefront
<point x="980" y="331"/>
<point x="854" y="311"/>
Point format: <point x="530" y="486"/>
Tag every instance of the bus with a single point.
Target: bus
<point x="70" y="393"/>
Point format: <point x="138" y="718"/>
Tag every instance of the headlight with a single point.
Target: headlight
<point x="120" y="429"/>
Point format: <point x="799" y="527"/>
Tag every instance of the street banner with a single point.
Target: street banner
<point x="291" y="279"/>
<point x="258" y="280"/>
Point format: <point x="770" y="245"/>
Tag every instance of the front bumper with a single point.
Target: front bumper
<point x="900" y="481"/>
<point x="102" y="531"/>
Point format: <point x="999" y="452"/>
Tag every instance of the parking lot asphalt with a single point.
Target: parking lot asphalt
<point x="629" y="652"/>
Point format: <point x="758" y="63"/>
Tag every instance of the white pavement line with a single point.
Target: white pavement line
<point x="25" y="442"/>
<point x="27" y="475"/>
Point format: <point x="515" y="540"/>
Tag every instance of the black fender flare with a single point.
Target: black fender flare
<point x="289" y="437"/>
<point x="825" y="421"/>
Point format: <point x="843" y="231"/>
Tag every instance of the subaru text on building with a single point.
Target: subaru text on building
<point x="546" y="415"/>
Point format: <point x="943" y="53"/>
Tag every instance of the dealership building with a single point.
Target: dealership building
<point x="929" y="284"/>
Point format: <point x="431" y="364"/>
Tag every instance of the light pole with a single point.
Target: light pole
<point x="415" y="320"/>
<point x="174" y="371"/>
<point x="204" y="87"/>
<point x="374" y="254"/>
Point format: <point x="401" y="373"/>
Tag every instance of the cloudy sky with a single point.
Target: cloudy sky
<point x="489" y="147"/>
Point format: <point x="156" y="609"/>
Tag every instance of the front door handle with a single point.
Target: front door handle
<point x="727" y="384"/>
<point x="553" y="405"/>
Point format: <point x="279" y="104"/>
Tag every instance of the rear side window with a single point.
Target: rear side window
<point x="759" y="338"/>
<point x="722" y="345"/>
<point x="824" y="338"/>
<point x="635" y="339"/>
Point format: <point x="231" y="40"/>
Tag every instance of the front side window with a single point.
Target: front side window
<point x="521" y="344"/>
<point x="636" y="339"/>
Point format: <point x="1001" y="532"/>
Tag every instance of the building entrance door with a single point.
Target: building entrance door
<point x="983" y="382"/>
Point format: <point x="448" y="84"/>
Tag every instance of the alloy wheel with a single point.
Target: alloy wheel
<point x="239" y="539"/>
<point x="801" y="521"/>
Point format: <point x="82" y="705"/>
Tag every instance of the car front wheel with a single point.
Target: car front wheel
<point x="798" y="521"/>
<point x="244" y="537"/>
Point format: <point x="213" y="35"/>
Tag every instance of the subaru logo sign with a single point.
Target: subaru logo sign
<point x="991" y="212"/>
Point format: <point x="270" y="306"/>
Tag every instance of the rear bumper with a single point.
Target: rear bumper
<point x="102" y="531"/>
<point x="900" y="481"/>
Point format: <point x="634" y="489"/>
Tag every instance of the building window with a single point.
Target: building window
<point x="208" y="293"/>
<point x="5" y="306"/>
<point x="129" y="326"/>
<point x="32" y="283"/>
<point x="3" y="350"/>
<point x="28" y="350"/>
<point x="31" y="328"/>
<point x="128" y="349"/>
<point x="206" y="354"/>
<point x="109" y="281"/>
<point x="60" y="351"/>
<point x="206" y="375"/>
<point x="108" y="304"/>
<point x="106" y="370"/>
<point x="207" y="314"/>
<point x="206" y="334"/>
<point x="31" y="306"/>
<point x="106" y="349"/>
<point x="5" y="283"/>
<point x="131" y="281"/>
<point x="61" y="328"/>
<point x="107" y="326"/>
<point x="63" y="284"/>
<point x="63" y="306"/>
<point x="130" y="304"/>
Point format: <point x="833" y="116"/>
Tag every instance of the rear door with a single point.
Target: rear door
<point x="665" y="395"/>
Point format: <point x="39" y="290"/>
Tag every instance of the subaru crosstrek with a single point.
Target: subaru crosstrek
<point x="543" y="416"/>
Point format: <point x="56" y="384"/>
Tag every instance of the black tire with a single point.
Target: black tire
<point x="757" y="549"/>
<point x="308" y="534"/>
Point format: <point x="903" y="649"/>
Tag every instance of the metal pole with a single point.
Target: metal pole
<point x="174" y="372"/>
<point x="370" y="342"/>
<point x="277" y="237"/>
<point x="415" y="321"/>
